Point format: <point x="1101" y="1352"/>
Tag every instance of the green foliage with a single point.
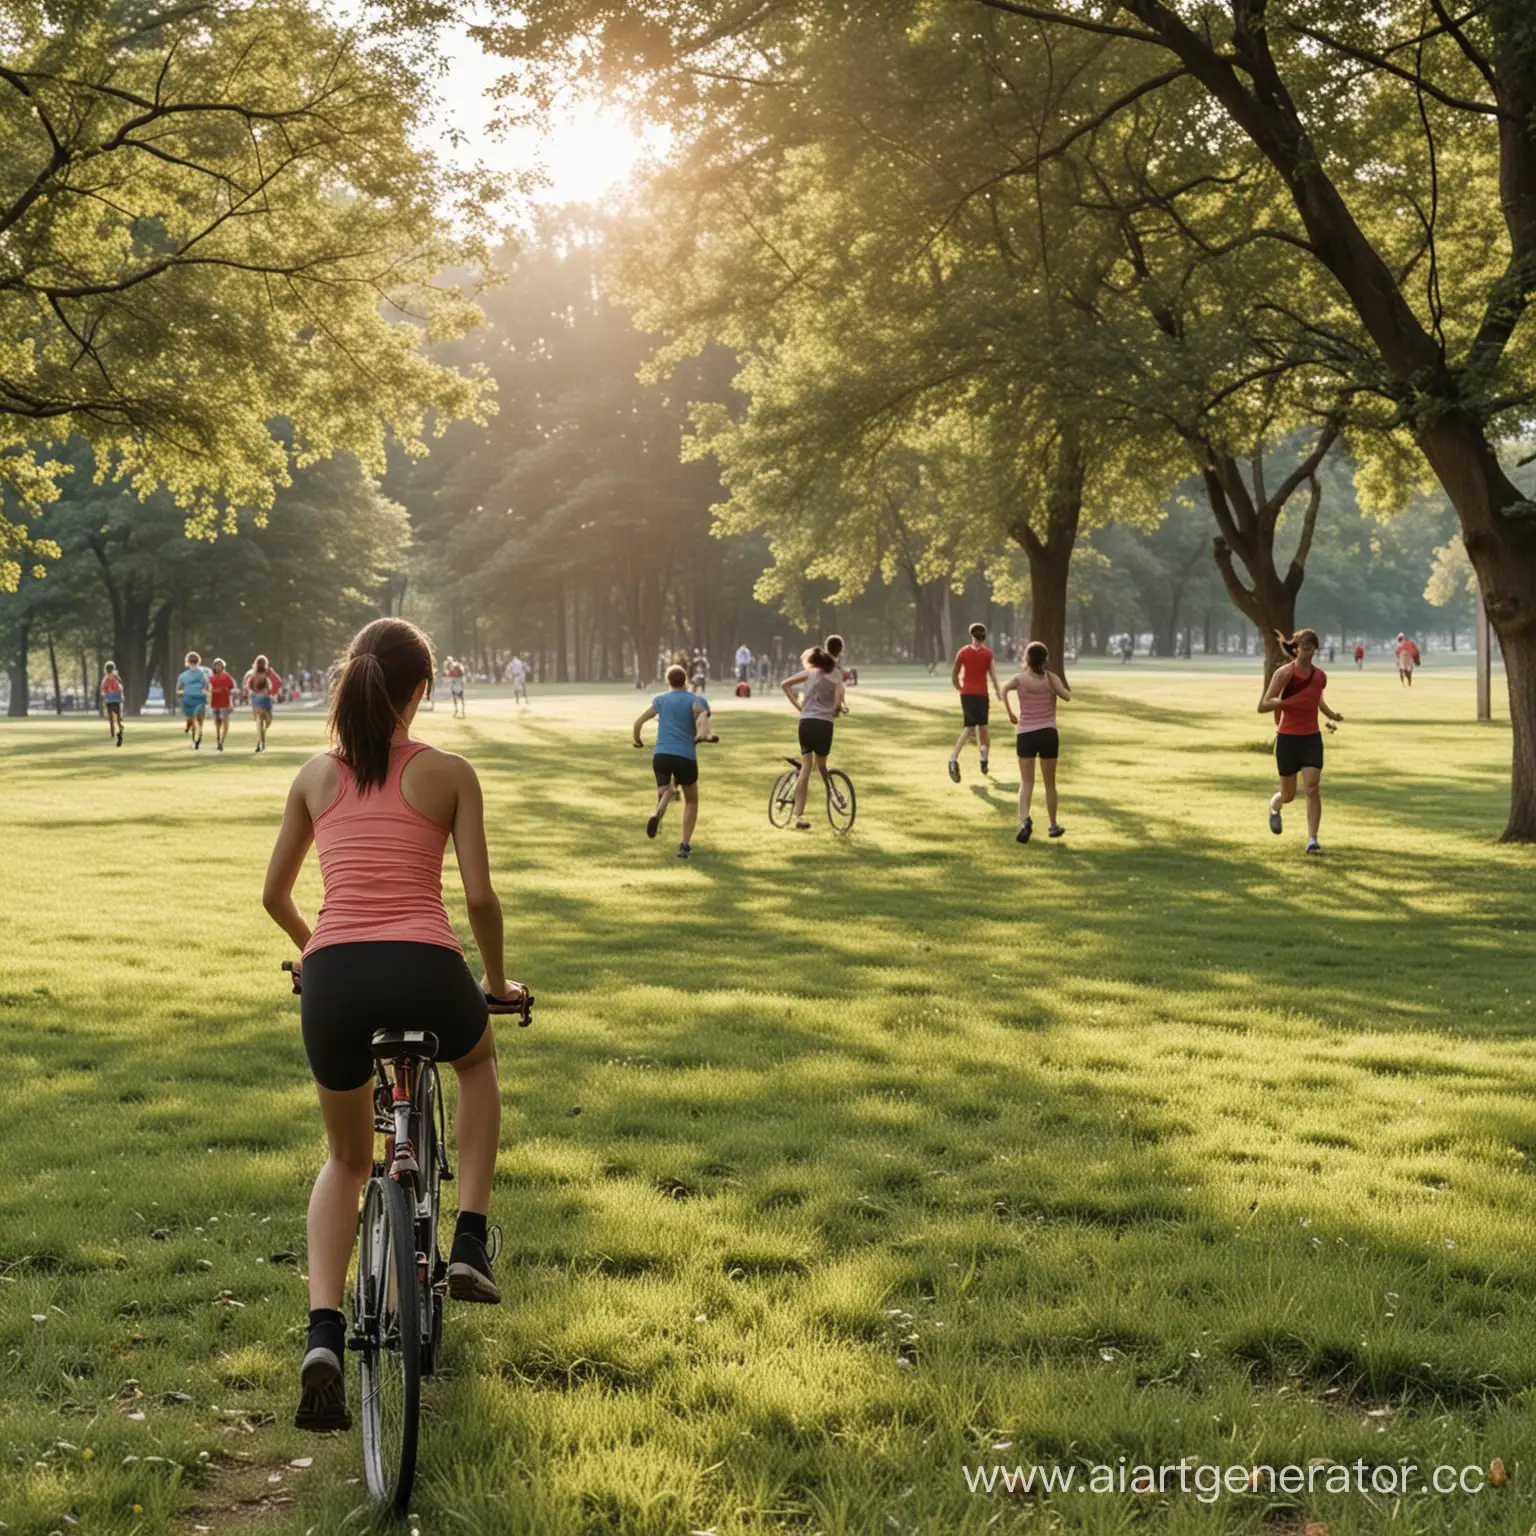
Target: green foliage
<point x="213" y="217"/>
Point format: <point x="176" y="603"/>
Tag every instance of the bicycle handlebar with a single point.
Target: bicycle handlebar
<point x="521" y="1008"/>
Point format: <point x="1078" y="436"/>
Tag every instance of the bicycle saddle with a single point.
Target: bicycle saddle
<point x="389" y="1043"/>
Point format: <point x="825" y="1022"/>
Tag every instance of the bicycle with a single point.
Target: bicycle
<point x="402" y="1276"/>
<point x="842" y="803"/>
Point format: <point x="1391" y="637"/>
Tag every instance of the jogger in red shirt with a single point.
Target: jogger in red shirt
<point x="972" y="671"/>
<point x="221" y="695"/>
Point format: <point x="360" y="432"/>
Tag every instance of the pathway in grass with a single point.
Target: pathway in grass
<point x="832" y="1167"/>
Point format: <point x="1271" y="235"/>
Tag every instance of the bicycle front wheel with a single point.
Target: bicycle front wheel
<point x="781" y="803"/>
<point x="388" y="1306"/>
<point x="841" y="803"/>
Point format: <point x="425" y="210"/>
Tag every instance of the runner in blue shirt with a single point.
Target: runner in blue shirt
<point x="192" y="685"/>
<point x="684" y="722"/>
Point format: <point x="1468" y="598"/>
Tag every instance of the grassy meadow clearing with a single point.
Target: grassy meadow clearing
<point x="831" y="1167"/>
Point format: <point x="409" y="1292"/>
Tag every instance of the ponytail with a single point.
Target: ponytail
<point x="372" y="683"/>
<point x="1290" y="644"/>
<point x="818" y="658"/>
<point x="1035" y="657"/>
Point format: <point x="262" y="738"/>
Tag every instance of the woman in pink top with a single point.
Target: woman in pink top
<point x="1037" y="691"/>
<point x="379" y="809"/>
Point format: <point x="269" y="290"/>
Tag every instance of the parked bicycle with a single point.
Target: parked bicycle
<point x="842" y="803"/>
<point x="402" y="1276"/>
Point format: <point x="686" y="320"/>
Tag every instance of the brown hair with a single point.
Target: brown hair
<point x="833" y="646"/>
<point x="677" y="677"/>
<point x="1036" y="655"/>
<point x="818" y="658"/>
<point x="978" y="633"/>
<point x="1291" y="645"/>
<point x="370" y="685"/>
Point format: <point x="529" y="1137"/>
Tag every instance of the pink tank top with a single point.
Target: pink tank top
<point x="1037" y="703"/>
<point x="382" y="864"/>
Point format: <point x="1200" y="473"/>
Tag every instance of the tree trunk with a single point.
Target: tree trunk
<point x="1050" y="554"/>
<point x="21" y="686"/>
<point x="562" y="664"/>
<point x="53" y="666"/>
<point x="160" y="653"/>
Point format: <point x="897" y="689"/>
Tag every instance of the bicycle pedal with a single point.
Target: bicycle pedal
<point x="357" y="1341"/>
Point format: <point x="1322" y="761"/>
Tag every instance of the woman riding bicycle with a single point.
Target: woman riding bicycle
<point x="819" y="702"/>
<point x="380" y="808"/>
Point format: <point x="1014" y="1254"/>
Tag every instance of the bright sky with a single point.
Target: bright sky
<point x="586" y="154"/>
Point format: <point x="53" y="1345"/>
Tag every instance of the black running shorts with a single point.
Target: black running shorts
<point x="351" y="990"/>
<point x="816" y="736"/>
<point x="669" y="766"/>
<point x="1293" y="753"/>
<point x="975" y="707"/>
<point x="1041" y="743"/>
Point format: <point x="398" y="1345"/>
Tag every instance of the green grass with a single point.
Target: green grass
<point x="828" y="1165"/>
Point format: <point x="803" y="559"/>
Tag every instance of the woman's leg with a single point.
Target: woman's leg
<point x="1311" y="781"/>
<point x="1026" y="787"/>
<point x="1285" y="794"/>
<point x="333" y="1201"/>
<point x="690" y="810"/>
<point x="960" y="741"/>
<point x="1048" y="772"/>
<point x="803" y="783"/>
<point x="478" y="1123"/>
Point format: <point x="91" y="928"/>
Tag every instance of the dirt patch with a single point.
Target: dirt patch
<point x="240" y="1495"/>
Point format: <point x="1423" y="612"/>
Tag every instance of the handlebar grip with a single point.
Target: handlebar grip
<point x="522" y="1010"/>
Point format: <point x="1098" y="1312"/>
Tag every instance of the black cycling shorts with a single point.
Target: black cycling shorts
<point x="351" y="990"/>
<point x="976" y="708"/>
<point x="1042" y="743"/>
<point x="816" y="737"/>
<point x="669" y="766"/>
<point x="1293" y="753"/>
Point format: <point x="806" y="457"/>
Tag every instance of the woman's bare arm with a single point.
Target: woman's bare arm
<point x="650" y="714"/>
<point x="288" y="853"/>
<point x="1059" y="687"/>
<point x="1270" y="703"/>
<point x="474" y="858"/>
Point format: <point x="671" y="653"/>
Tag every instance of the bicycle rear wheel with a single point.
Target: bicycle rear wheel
<point x="429" y="1109"/>
<point x="841" y="801"/>
<point x="781" y="803"/>
<point x="388" y="1308"/>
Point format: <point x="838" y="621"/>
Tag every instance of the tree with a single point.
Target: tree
<point x="213" y="216"/>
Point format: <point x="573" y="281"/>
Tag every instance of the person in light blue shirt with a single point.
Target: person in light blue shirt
<point x="192" y="685"/>
<point x="683" y="722"/>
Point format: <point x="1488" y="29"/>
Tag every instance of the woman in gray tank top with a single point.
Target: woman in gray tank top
<point x="819" y="702"/>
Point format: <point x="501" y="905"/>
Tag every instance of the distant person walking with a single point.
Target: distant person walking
<point x="743" y="662"/>
<point x="454" y="672"/>
<point x="112" y="699"/>
<point x="261" y="685"/>
<point x="683" y="723"/>
<point x="1295" y="698"/>
<point x="1037" y="690"/>
<point x="221" y="691"/>
<point x="971" y="674"/>
<point x="1407" y="654"/>
<point x="699" y="671"/>
<point x="1360" y="655"/>
<point x="517" y="675"/>
<point x="192" y="685"/>
<point x="819" y="703"/>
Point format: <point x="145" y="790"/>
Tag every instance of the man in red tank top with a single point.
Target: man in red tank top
<point x="972" y="672"/>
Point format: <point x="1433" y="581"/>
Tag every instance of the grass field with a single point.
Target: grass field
<point x="831" y="1168"/>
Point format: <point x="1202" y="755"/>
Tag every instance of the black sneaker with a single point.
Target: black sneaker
<point x="469" y="1269"/>
<point x="652" y="824"/>
<point x="1275" y="824"/>
<point x="119" y="738"/>
<point x="323" y="1398"/>
<point x="1026" y="829"/>
<point x="1057" y="830"/>
<point x="984" y="767"/>
<point x="197" y="743"/>
<point x="954" y="770"/>
<point x="684" y="849"/>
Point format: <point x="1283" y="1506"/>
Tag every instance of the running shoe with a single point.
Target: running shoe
<point x="323" y="1393"/>
<point x="983" y="767"/>
<point x="1274" y="821"/>
<point x="652" y="824"/>
<point x="197" y="743"/>
<point x="1313" y="846"/>
<point x="1027" y="830"/>
<point x="1057" y="830"/>
<point x="802" y="825"/>
<point x="684" y="849"/>
<point x="954" y="770"/>
<point x="119" y="738"/>
<point x="469" y="1268"/>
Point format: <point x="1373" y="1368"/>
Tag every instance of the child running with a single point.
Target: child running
<point x="380" y="809"/>
<point x="454" y="672"/>
<point x="820" y="703"/>
<point x="972" y="671"/>
<point x="684" y="723"/>
<point x="1295" y="697"/>
<point x="112" y="699"/>
<point x="261" y="685"/>
<point x="192" y="685"/>
<point x="1035" y="723"/>
<point x="221" y="690"/>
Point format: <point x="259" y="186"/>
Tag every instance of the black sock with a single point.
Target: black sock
<point x="472" y="1223"/>
<point x="328" y="1330"/>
